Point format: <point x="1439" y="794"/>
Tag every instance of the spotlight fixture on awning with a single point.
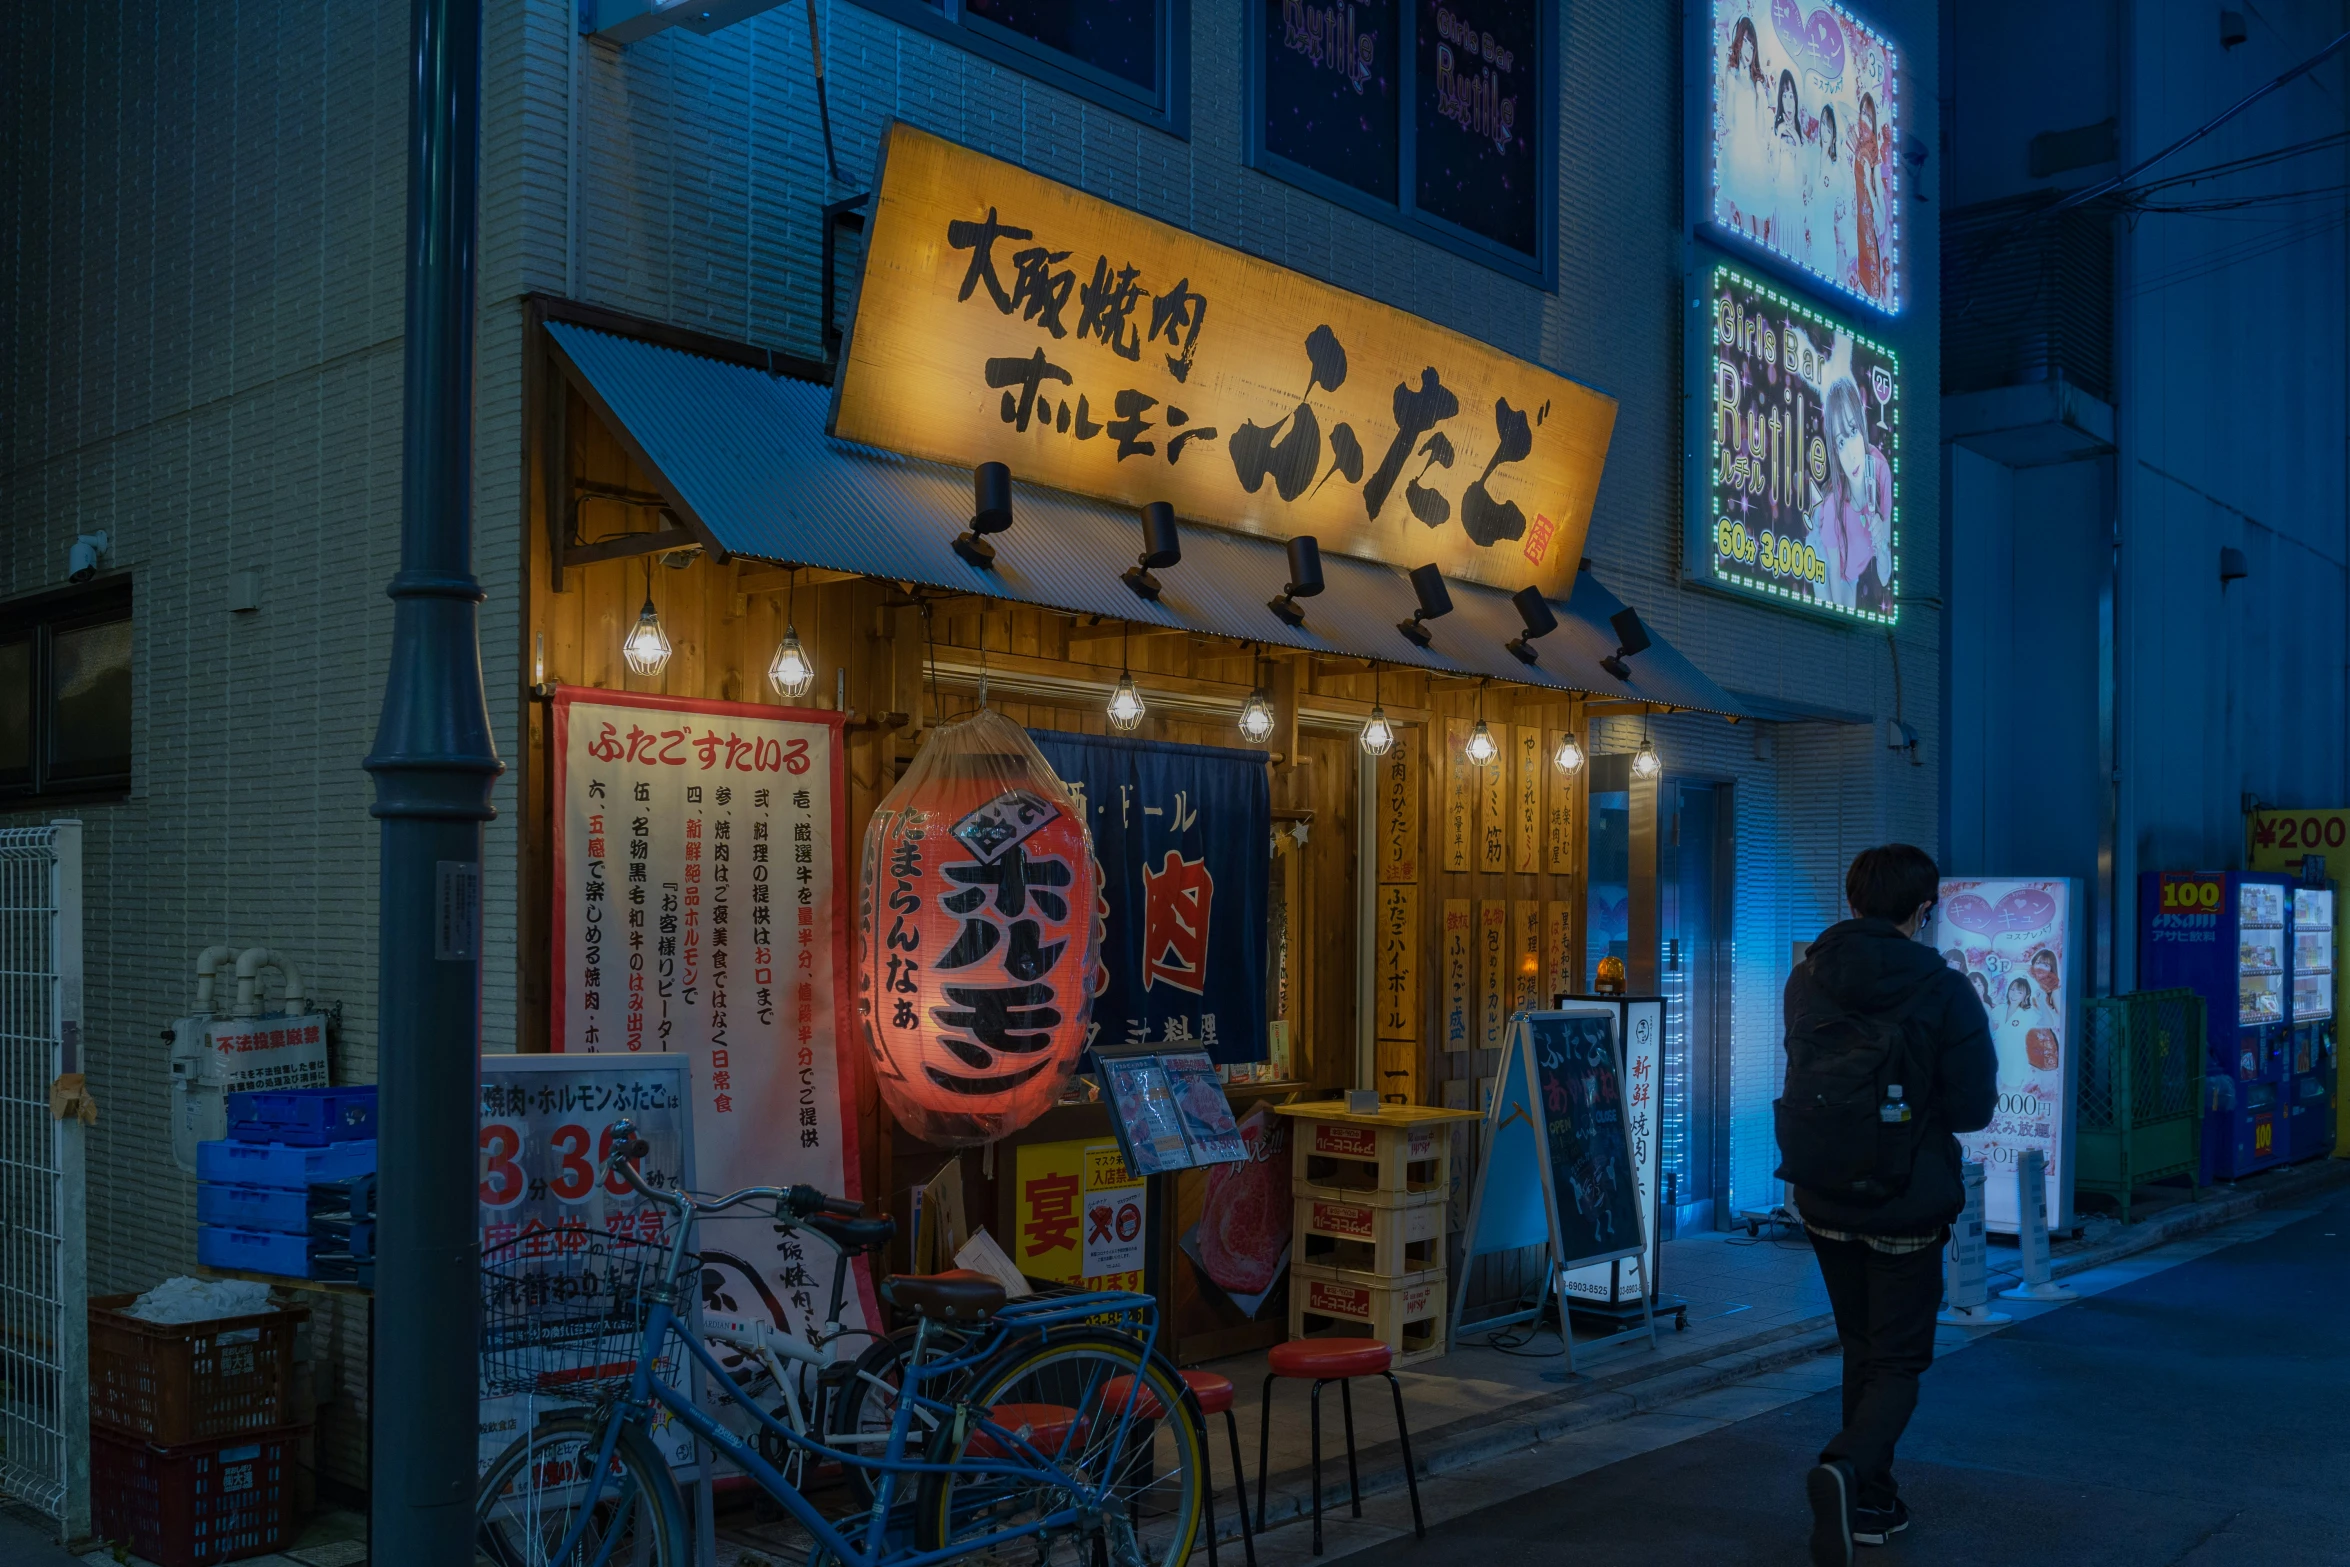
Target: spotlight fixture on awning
<point x="1162" y="546"/>
<point x="991" y="512"/>
<point x="1631" y="638"/>
<point x="1540" y="621"/>
<point x="1305" y="579"/>
<point x="1435" y="603"/>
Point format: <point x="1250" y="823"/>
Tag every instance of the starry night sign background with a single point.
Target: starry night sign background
<point x="1005" y="317"/>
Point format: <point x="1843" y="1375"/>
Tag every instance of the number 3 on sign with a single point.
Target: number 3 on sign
<point x="502" y="1180"/>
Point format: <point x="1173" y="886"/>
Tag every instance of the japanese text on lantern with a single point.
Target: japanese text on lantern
<point x="1399" y="809"/>
<point x="1458" y="939"/>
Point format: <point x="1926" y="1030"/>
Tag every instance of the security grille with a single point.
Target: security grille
<point x="2027" y="295"/>
<point x="44" y="1321"/>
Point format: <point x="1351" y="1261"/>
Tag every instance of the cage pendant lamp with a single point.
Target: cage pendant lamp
<point x="1378" y="736"/>
<point x="791" y="672"/>
<point x="646" y="647"/>
<point x="1126" y="708"/>
<point x="1481" y="749"/>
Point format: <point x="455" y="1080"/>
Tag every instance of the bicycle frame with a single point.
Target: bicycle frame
<point x="1015" y="1320"/>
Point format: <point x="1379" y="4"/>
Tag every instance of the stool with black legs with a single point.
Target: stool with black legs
<point x="1322" y="1361"/>
<point x="1210" y="1394"/>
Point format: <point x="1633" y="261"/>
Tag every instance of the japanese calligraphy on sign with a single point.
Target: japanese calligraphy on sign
<point x="1460" y="830"/>
<point x="698" y="908"/>
<point x="1526" y="955"/>
<point x="1457" y="941"/>
<point x="1399" y="808"/>
<point x="1559" y="819"/>
<point x="1002" y="316"/>
<point x="1558" y="950"/>
<point x="1079" y="1216"/>
<point x="1398" y="937"/>
<point x="1495" y="985"/>
<point x="1529" y="765"/>
<point x="1493" y="805"/>
<point x="1640" y="1041"/>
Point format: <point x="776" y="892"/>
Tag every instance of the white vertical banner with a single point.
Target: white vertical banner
<point x="700" y="907"/>
<point x="2013" y="940"/>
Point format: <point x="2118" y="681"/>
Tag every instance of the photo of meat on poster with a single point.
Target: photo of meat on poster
<point x="1803" y="141"/>
<point x="1802" y="447"/>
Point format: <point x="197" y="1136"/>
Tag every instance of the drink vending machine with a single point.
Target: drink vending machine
<point x="2228" y="936"/>
<point x="2310" y="1081"/>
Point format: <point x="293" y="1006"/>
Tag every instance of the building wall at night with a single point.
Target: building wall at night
<point x="2229" y="412"/>
<point x="203" y="296"/>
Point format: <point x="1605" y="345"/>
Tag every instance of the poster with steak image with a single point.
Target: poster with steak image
<point x="1237" y="1233"/>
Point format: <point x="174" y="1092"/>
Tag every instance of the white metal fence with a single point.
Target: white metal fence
<point x="44" y="1318"/>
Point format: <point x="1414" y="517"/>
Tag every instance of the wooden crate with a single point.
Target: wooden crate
<point x="1384" y="1165"/>
<point x="1363" y="1237"/>
<point x="1405" y="1314"/>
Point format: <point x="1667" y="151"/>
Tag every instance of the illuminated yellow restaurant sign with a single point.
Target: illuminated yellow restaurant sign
<point x="1004" y="317"/>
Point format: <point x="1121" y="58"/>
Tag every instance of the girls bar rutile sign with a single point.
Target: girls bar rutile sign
<point x="1002" y="316"/>
<point x="700" y="908"/>
<point x="1800" y="499"/>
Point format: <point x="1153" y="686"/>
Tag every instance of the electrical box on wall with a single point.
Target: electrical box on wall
<point x="628" y="21"/>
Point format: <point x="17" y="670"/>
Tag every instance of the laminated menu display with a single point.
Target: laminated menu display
<point x="1207" y="1115"/>
<point x="1145" y="1116"/>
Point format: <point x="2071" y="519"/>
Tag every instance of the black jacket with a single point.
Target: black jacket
<point x="1869" y="966"/>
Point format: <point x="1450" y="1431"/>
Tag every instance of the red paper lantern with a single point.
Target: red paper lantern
<point x="980" y="927"/>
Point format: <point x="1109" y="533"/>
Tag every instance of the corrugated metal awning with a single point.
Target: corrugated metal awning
<point x="744" y="456"/>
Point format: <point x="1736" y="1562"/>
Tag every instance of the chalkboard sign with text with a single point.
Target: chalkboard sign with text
<point x="1593" y="1189"/>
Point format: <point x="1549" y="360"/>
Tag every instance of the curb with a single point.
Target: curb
<point x="1652" y="1385"/>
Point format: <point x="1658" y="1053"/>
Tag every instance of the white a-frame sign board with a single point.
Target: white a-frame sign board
<point x="1557" y="1170"/>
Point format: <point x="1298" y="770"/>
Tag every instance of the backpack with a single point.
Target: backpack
<point x="1854" y="1112"/>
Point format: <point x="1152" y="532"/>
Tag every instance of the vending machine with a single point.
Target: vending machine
<point x="2310" y="1067"/>
<point x="2227" y="935"/>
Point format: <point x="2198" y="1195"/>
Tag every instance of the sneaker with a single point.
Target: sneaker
<point x="1877" y="1525"/>
<point x="1829" y="1489"/>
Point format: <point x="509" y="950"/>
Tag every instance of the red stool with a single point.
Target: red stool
<point x="1212" y="1395"/>
<point x="1339" y="1360"/>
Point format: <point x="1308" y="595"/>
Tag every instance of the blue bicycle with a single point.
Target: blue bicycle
<point x="1044" y="1431"/>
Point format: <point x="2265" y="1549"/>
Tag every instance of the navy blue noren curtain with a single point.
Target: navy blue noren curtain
<point x="1185" y="837"/>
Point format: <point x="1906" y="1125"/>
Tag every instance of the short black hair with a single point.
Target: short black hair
<point x="1889" y="882"/>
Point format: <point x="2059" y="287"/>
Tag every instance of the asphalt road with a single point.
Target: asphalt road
<point x="2198" y="1417"/>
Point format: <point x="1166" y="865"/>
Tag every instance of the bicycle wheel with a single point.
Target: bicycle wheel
<point x="1132" y="1486"/>
<point x="530" y="1495"/>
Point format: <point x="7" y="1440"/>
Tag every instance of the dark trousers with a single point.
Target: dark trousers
<point x="1885" y="1305"/>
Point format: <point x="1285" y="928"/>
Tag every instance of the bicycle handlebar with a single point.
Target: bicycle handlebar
<point x="795" y="1202"/>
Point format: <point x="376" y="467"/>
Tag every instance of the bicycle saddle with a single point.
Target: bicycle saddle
<point x="959" y="1295"/>
<point x="853" y="1236"/>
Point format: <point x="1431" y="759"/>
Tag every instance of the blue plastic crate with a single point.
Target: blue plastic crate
<point x="273" y="1251"/>
<point x="285" y="1209"/>
<point x="304" y="1117"/>
<point x="232" y="1163"/>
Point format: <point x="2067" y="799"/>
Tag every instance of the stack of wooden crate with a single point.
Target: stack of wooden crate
<point x="1367" y="1257"/>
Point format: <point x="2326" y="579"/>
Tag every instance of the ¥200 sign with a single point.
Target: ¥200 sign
<point x="1005" y="317"/>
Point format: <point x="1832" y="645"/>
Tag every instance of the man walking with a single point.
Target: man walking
<point x="1888" y="1055"/>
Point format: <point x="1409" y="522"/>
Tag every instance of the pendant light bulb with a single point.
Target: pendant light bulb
<point x="646" y="647"/>
<point x="1481" y="749"/>
<point x="1569" y="756"/>
<point x="1256" y="717"/>
<point x="1645" y="762"/>
<point x="791" y="674"/>
<point x="1378" y="737"/>
<point x="1126" y="707"/>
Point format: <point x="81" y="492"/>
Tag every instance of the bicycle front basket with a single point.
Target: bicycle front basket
<point x="563" y="1315"/>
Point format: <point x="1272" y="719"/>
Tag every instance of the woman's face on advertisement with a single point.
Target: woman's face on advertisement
<point x="2044" y="967"/>
<point x="1852" y="454"/>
